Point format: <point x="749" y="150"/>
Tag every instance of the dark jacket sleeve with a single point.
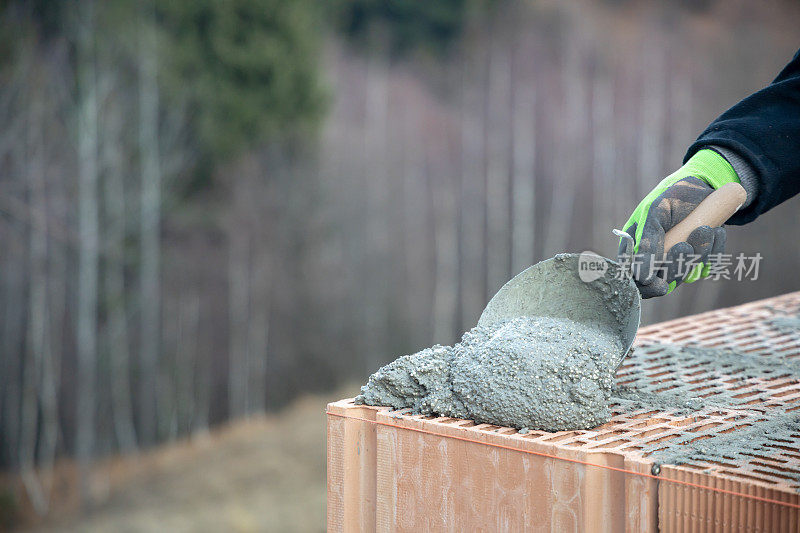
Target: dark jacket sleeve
<point x="764" y="130"/>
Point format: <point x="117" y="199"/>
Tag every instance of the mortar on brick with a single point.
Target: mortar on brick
<point x="537" y="372"/>
<point x="691" y="371"/>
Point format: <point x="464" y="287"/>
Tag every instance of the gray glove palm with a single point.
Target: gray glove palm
<point x="656" y="218"/>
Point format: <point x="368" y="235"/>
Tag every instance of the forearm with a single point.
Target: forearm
<point x="760" y="138"/>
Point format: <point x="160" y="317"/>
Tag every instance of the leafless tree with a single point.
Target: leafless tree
<point x="444" y="195"/>
<point x="115" y="233"/>
<point x="523" y="138"/>
<point x="498" y="148"/>
<point x="150" y="227"/>
<point x="603" y="162"/>
<point x="376" y="231"/>
<point x="239" y="258"/>
<point x="186" y="361"/>
<point x="38" y="342"/>
<point x="261" y="276"/>
<point x="473" y="285"/>
<point x="88" y="243"/>
<point x="566" y="176"/>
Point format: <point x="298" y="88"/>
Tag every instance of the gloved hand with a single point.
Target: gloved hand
<point x="665" y="206"/>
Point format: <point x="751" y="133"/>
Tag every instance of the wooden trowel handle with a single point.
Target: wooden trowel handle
<point x="717" y="207"/>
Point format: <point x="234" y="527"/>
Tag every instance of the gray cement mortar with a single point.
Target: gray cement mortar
<point x="533" y="372"/>
<point x="786" y="323"/>
<point x="526" y="365"/>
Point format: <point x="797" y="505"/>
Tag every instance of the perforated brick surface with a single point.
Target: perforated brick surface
<point x="760" y="387"/>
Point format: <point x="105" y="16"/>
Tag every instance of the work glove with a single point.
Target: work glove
<point x="665" y="206"/>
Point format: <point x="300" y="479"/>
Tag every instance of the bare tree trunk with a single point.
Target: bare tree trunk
<point x="117" y="341"/>
<point x="567" y="178"/>
<point x="150" y="227"/>
<point x="37" y="345"/>
<point x="250" y="279"/>
<point x="258" y="334"/>
<point x="14" y="293"/>
<point x="498" y="144"/>
<point x="57" y="306"/>
<point x="445" y="217"/>
<point x="603" y="163"/>
<point x="167" y="381"/>
<point x="88" y="249"/>
<point x="238" y="302"/>
<point x="472" y="198"/>
<point x="376" y="187"/>
<point x="651" y="130"/>
<point x="14" y="262"/>
<point x="415" y="198"/>
<point x="14" y="267"/>
<point x="523" y="206"/>
<point x="202" y="375"/>
<point x="187" y="357"/>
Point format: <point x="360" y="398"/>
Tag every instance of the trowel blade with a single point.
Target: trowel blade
<point x="585" y="288"/>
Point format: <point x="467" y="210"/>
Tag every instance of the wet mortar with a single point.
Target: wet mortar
<point x="539" y="371"/>
<point x="535" y="372"/>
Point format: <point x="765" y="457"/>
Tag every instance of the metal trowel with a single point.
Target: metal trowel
<point x="594" y="290"/>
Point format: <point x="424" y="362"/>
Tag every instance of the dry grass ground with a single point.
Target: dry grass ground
<point x="261" y="474"/>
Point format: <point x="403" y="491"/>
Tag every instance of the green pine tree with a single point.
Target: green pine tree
<point x="249" y="69"/>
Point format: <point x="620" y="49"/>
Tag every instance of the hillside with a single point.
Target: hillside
<point x="264" y="473"/>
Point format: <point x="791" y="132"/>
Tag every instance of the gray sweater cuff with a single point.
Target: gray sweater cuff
<point x="745" y="172"/>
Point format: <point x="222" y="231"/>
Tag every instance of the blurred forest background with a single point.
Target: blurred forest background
<point x="208" y="208"/>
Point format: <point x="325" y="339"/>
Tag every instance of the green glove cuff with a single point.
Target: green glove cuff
<point x="710" y="167"/>
<point x="706" y="165"/>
